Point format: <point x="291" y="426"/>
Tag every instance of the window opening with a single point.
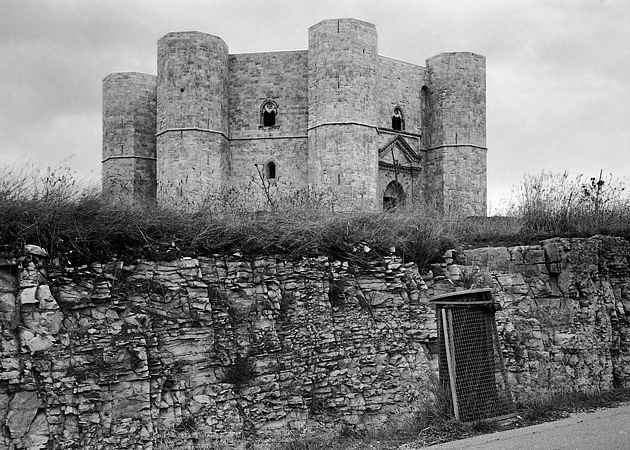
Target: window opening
<point x="271" y="170"/>
<point x="398" y="122"/>
<point x="269" y="113"/>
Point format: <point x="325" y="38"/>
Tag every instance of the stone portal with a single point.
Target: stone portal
<point x="394" y="196"/>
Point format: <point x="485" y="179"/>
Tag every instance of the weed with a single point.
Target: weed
<point x="53" y="209"/>
<point x="550" y="406"/>
<point x="188" y="424"/>
<point x="561" y="204"/>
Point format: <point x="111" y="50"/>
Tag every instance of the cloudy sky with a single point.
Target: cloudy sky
<point x="558" y="72"/>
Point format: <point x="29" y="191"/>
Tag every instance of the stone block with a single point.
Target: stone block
<point x="27" y="296"/>
<point x="22" y="411"/>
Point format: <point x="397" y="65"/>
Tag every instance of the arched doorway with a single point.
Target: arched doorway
<point x="393" y="196"/>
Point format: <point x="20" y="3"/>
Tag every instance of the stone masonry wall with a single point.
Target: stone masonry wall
<point x="254" y="78"/>
<point x="458" y="185"/>
<point x="191" y="167"/>
<point x="342" y="96"/>
<point x="278" y="76"/>
<point x="456" y="140"/>
<point x="457" y="87"/>
<point x="163" y="354"/>
<point x="289" y="156"/>
<point x="565" y="322"/>
<point x="192" y="117"/>
<point x="129" y="107"/>
<point x="399" y="84"/>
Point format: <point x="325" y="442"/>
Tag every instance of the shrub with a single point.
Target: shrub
<point x="561" y="204"/>
<point x="56" y="210"/>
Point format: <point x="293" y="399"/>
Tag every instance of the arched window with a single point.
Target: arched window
<point x="270" y="170"/>
<point x="268" y="114"/>
<point x="398" y="121"/>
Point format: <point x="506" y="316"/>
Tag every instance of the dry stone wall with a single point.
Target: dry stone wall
<point x="566" y="311"/>
<point x="150" y="354"/>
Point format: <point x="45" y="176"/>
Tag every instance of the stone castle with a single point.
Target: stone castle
<point x="337" y="117"/>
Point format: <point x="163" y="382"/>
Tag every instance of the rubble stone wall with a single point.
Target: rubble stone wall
<point x="155" y="354"/>
<point x="565" y="322"/>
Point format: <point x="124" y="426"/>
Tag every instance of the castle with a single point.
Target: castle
<point x="375" y="131"/>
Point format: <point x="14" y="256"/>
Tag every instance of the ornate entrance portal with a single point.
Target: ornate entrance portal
<point x="393" y="196"/>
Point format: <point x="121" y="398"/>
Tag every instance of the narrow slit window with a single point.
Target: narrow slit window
<point x="398" y="122"/>
<point x="271" y="170"/>
<point x="424" y="95"/>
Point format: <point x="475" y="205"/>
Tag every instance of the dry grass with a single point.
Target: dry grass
<point x="558" y="404"/>
<point x="433" y="423"/>
<point x="52" y="209"/>
<point x="564" y="205"/>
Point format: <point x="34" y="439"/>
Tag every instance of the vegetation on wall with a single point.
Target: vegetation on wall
<point x="54" y="210"/>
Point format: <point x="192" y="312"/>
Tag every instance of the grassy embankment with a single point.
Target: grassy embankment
<point x="53" y="210"/>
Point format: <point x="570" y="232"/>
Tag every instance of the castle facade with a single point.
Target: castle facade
<point x="337" y="117"/>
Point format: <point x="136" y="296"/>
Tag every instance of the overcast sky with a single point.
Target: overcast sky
<point x="558" y="72"/>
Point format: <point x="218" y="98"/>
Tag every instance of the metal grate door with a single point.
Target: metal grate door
<point x="470" y="361"/>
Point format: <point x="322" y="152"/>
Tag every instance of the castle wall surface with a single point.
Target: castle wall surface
<point x="399" y="84"/>
<point x="192" y="116"/>
<point x="278" y="76"/>
<point x="457" y="99"/>
<point x="180" y="353"/>
<point x="456" y="181"/>
<point x="456" y="141"/>
<point x="342" y="111"/>
<point x="253" y="79"/>
<point x="129" y="108"/>
<point x="191" y="166"/>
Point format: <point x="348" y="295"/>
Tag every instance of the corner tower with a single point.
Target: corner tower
<point x="456" y="133"/>
<point x="192" y="119"/>
<point x="129" y="100"/>
<point x="342" y="157"/>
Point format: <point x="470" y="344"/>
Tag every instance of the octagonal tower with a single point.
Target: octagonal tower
<point x="342" y="65"/>
<point x="192" y="117"/>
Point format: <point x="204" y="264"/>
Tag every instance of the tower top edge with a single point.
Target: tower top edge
<point x="130" y="75"/>
<point x="453" y="54"/>
<point x="343" y="19"/>
<point x="186" y="34"/>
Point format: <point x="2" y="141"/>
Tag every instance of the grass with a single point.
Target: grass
<point x="433" y="425"/>
<point x="559" y="404"/>
<point x="53" y="210"/>
<point x="561" y="204"/>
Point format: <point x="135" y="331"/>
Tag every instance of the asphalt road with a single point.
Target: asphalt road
<point x="605" y="429"/>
